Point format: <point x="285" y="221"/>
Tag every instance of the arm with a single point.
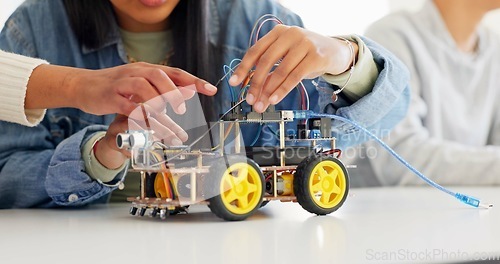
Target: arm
<point x="30" y="85"/>
<point x="302" y="54"/>
<point x="14" y="76"/>
<point x="106" y="91"/>
<point x="36" y="173"/>
<point x="309" y="55"/>
<point x="380" y="109"/>
<point x="36" y="170"/>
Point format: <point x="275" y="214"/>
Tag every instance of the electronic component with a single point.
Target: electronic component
<point x="254" y="116"/>
<point x="134" y="139"/>
<point x="271" y="114"/>
<point x="236" y="113"/>
<point x="302" y="131"/>
<point x="314" y="134"/>
<point x="326" y="127"/>
<point x="287" y="116"/>
<point x="284" y="184"/>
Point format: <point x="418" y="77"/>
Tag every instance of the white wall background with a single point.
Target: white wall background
<point x="333" y="17"/>
<point x="329" y="17"/>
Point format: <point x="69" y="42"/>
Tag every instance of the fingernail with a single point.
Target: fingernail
<point x="183" y="135"/>
<point x="250" y="99"/>
<point x="181" y="109"/>
<point x="210" y="88"/>
<point x="259" y="107"/>
<point x="176" y="142"/>
<point x="233" y="80"/>
<point x="274" y="99"/>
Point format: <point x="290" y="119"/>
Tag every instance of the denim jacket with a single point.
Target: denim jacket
<point x="43" y="167"/>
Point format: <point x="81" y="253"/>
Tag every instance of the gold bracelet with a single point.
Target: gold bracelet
<point x="353" y="59"/>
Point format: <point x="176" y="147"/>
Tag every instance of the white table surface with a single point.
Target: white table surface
<point x="381" y="225"/>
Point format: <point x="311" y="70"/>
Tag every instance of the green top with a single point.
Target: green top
<point x="151" y="47"/>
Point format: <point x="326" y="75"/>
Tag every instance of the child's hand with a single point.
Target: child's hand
<point x="304" y="54"/>
<point x="106" y="151"/>
<point x="146" y="116"/>
<point x="120" y="89"/>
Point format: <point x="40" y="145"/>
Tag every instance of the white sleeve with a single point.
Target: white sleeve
<point x="15" y="71"/>
<point x="445" y="162"/>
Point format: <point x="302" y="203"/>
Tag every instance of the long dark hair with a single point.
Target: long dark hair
<point x="92" y="20"/>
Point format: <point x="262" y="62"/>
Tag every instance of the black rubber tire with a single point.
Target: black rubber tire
<point x="212" y="183"/>
<point x="301" y="184"/>
<point x="150" y="185"/>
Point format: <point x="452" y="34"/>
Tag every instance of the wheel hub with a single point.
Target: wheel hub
<point x="328" y="184"/>
<point x="239" y="189"/>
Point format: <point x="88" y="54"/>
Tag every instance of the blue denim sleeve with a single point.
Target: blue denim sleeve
<point x="67" y="183"/>
<point x="380" y="110"/>
<point x="36" y="173"/>
<point x="36" y="170"/>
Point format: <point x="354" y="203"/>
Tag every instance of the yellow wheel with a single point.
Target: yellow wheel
<point x="234" y="188"/>
<point x="155" y="187"/>
<point x="162" y="190"/>
<point x="321" y="184"/>
<point x="160" y="187"/>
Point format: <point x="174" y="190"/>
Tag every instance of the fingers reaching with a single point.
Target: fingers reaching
<point x="146" y="117"/>
<point x="183" y="78"/>
<point x="164" y="86"/>
<point x="282" y="58"/>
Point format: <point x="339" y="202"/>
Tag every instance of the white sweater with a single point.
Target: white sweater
<point x="15" y="71"/>
<point x="452" y="130"/>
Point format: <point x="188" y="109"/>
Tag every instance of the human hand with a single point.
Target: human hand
<point x="107" y="91"/>
<point x="152" y="116"/>
<point x="120" y="89"/>
<point x="304" y="55"/>
<point x="106" y="151"/>
<point x="145" y="117"/>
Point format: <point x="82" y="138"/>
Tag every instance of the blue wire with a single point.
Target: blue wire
<point x="257" y="136"/>
<point x="242" y="92"/>
<point x="231" y="63"/>
<point x="227" y="69"/>
<point x="272" y="131"/>
<point x="224" y="68"/>
<point x="463" y="198"/>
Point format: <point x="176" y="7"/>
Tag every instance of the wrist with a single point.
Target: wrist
<point x="107" y="157"/>
<point x="345" y="55"/>
<point x="93" y="166"/>
<point x="74" y="81"/>
<point x="46" y="89"/>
